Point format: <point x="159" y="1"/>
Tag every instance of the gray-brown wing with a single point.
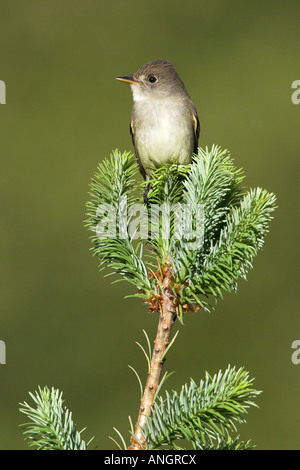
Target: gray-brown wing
<point x="141" y="168"/>
<point x="196" y="128"/>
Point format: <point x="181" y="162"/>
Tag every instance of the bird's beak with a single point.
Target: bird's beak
<point x="128" y="79"/>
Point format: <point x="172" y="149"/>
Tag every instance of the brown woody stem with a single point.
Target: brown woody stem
<point x="166" y="320"/>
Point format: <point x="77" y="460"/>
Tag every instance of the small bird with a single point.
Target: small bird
<point x="164" y="122"/>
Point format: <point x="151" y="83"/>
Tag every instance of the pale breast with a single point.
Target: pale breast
<point x="163" y="132"/>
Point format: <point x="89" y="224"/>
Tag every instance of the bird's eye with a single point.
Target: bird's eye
<point x="152" y="79"/>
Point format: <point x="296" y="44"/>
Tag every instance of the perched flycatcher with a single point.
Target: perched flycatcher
<point x="164" y="122"/>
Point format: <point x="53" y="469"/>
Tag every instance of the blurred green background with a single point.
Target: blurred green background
<point x="63" y="323"/>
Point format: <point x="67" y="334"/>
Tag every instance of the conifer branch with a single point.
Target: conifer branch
<point x="203" y="414"/>
<point x="174" y="279"/>
<point x="235" y="223"/>
<point x="51" y="426"/>
<point x="227" y="229"/>
<point x="166" y="320"/>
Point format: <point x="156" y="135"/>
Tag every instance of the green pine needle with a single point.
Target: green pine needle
<point x="203" y="414"/>
<point x="235" y="224"/>
<point x="51" y="426"/>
